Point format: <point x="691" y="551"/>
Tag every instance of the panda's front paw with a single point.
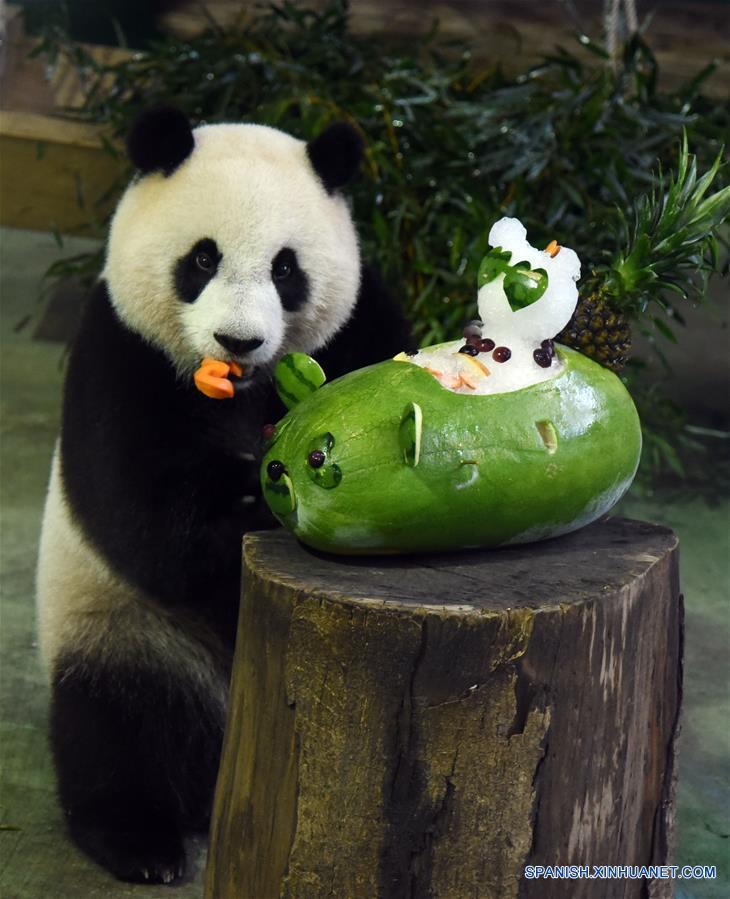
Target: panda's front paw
<point x="144" y="855"/>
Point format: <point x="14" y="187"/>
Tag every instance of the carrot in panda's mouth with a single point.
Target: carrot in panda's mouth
<point x="212" y="378"/>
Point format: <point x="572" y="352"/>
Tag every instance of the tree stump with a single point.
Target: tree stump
<point x="427" y="726"/>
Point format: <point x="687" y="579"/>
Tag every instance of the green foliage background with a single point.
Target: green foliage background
<point x="567" y="146"/>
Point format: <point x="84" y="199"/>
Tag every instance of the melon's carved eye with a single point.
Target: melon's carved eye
<point x="321" y="470"/>
<point x="316" y="458"/>
<point x="204" y="262"/>
<point x="275" y="469"/>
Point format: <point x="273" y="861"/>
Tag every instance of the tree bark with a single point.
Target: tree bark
<point x="428" y="726"/>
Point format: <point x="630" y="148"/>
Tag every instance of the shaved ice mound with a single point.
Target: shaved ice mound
<point x="479" y="375"/>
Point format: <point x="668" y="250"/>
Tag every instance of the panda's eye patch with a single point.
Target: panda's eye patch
<point x="195" y="269"/>
<point x="283" y="265"/>
<point x="281" y="270"/>
<point x="290" y="281"/>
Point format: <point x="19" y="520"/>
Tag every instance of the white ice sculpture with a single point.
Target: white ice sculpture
<point x="523" y="330"/>
<point x="515" y="323"/>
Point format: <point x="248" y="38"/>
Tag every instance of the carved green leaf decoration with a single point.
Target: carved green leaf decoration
<point x="495" y="263"/>
<point x="522" y="285"/>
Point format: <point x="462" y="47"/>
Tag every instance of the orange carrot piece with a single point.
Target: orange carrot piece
<point x="211" y="379"/>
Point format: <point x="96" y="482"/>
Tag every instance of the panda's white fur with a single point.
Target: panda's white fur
<point x="83" y="604"/>
<point x="260" y="195"/>
<point x="139" y="562"/>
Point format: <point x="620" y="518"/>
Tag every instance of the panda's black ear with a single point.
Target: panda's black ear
<point x="160" y="140"/>
<point x="336" y="155"/>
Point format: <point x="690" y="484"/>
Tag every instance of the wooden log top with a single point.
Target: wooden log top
<point x="599" y="559"/>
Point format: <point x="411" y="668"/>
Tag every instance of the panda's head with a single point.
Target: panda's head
<point x="234" y="242"/>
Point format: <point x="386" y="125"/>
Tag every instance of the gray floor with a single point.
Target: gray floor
<point x="37" y="861"/>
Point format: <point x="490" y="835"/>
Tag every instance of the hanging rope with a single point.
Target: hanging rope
<point x="612" y="22"/>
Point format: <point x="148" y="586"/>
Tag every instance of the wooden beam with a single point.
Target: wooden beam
<point x="53" y="174"/>
<point x="54" y="171"/>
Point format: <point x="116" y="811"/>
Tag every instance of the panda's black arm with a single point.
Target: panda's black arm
<point x="156" y="474"/>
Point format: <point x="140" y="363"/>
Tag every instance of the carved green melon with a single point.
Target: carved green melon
<point x="411" y="466"/>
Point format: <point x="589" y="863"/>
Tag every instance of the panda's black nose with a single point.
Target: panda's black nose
<point x="237" y="345"/>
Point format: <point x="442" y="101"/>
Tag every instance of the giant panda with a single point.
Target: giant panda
<point x="233" y="241"/>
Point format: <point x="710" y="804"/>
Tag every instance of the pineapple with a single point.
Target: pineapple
<point x="667" y="244"/>
<point x="599" y="329"/>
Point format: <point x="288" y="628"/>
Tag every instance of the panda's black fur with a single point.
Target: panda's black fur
<point x="162" y="482"/>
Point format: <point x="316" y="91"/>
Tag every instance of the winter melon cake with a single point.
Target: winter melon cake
<point x="501" y="437"/>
